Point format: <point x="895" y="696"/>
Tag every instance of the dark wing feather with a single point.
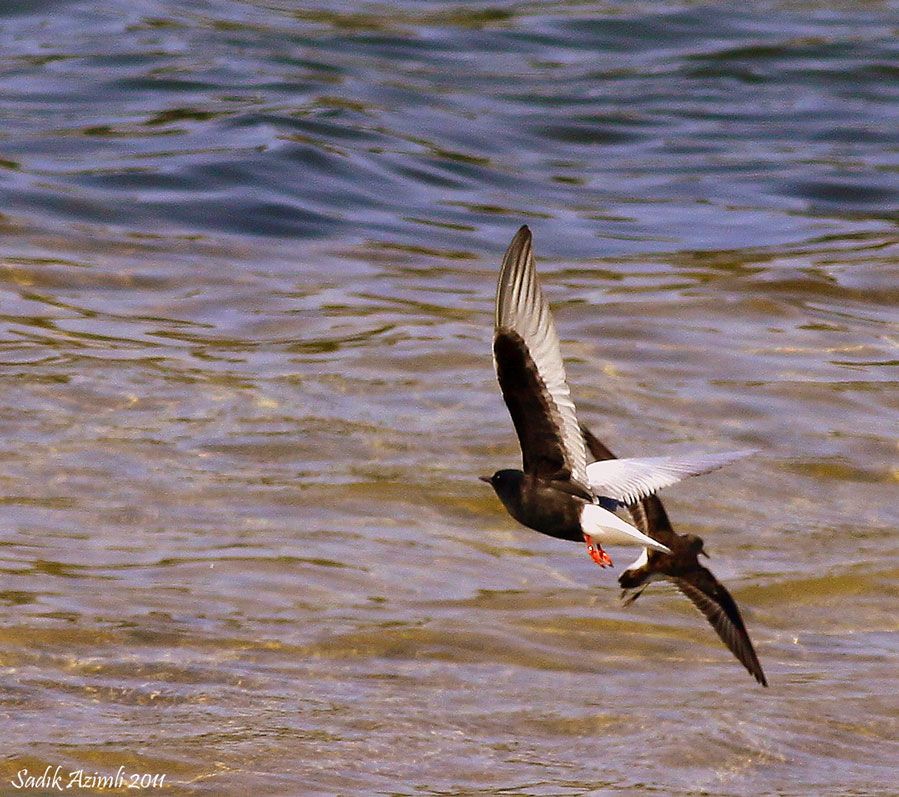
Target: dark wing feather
<point x="720" y="609"/>
<point x="533" y="414"/>
<point x="531" y="373"/>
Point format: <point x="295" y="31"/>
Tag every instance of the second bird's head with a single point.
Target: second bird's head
<point x="507" y="483"/>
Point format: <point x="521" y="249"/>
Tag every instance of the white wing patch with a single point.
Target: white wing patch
<point x="522" y="308"/>
<point x="630" y="480"/>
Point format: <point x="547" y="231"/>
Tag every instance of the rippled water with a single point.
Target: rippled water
<point x="249" y="256"/>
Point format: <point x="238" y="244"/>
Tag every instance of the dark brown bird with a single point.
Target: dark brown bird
<point x="681" y="566"/>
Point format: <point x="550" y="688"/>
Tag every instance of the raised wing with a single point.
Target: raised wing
<point x="531" y="374"/>
<point x="720" y="609"/>
<point x="630" y="480"/>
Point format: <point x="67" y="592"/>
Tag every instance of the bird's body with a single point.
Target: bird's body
<point x="559" y="510"/>
<point x="557" y="492"/>
<point x="539" y="506"/>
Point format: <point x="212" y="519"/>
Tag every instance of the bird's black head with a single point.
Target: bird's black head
<point x="507" y="483"/>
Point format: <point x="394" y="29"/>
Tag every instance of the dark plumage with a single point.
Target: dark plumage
<point x="538" y="505"/>
<point x="543" y="452"/>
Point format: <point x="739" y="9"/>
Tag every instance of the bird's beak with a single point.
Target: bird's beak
<point x="485" y="479"/>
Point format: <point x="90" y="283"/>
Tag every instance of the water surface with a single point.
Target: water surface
<point x="249" y="256"/>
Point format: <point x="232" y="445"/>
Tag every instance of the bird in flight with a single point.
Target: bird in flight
<point x="683" y="569"/>
<point x="559" y="493"/>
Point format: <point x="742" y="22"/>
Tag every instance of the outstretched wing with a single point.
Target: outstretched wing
<point x="720" y="609"/>
<point x="531" y="374"/>
<point x="630" y="480"/>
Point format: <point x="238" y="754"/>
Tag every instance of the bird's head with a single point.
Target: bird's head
<point x="696" y="545"/>
<point x="506" y="483"/>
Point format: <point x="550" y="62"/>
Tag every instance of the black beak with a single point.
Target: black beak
<point x="485" y="479"/>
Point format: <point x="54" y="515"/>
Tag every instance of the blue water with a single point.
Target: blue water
<point x="249" y="256"/>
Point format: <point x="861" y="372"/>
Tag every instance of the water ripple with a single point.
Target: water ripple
<point x="250" y="252"/>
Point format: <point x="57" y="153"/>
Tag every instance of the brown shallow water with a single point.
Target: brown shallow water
<point x="249" y="255"/>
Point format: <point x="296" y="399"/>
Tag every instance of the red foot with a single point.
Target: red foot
<point x="597" y="554"/>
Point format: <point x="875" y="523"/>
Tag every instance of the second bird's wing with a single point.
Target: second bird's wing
<point x="720" y="609"/>
<point x="681" y="567"/>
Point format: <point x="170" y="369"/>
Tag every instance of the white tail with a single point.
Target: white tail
<point x="608" y="528"/>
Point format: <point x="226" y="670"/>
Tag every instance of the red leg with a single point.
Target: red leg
<point x="597" y="554"/>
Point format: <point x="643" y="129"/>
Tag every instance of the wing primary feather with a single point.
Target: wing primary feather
<point x="720" y="609"/>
